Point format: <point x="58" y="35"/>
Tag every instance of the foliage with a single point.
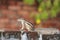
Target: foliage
<point x="44" y="15"/>
<point x="29" y="2"/>
<point x="46" y="9"/>
<point x="54" y="10"/>
<point x="56" y="3"/>
<point x="39" y="1"/>
<point x="48" y="3"/>
<point x="37" y="18"/>
<point x="53" y="13"/>
<point x="42" y="7"/>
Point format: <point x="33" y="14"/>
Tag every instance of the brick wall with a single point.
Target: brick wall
<point x="17" y="10"/>
<point x="10" y="14"/>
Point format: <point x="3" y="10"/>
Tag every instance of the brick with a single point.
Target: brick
<point x="25" y="7"/>
<point x="11" y="2"/>
<point x="13" y="23"/>
<point x="4" y="20"/>
<point x="12" y="14"/>
<point x="23" y="13"/>
<point x="4" y="12"/>
<point x="14" y="7"/>
<point x="20" y="3"/>
<point x="3" y="7"/>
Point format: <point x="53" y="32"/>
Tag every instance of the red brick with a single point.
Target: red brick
<point x="20" y="3"/>
<point x="25" y="7"/>
<point x="3" y="7"/>
<point x="4" y="20"/>
<point x="14" y="8"/>
<point x="5" y="12"/>
<point x="12" y="14"/>
<point x="11" y="2"/>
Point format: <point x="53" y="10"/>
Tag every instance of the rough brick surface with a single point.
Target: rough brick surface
<point x="8" y="17"/>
